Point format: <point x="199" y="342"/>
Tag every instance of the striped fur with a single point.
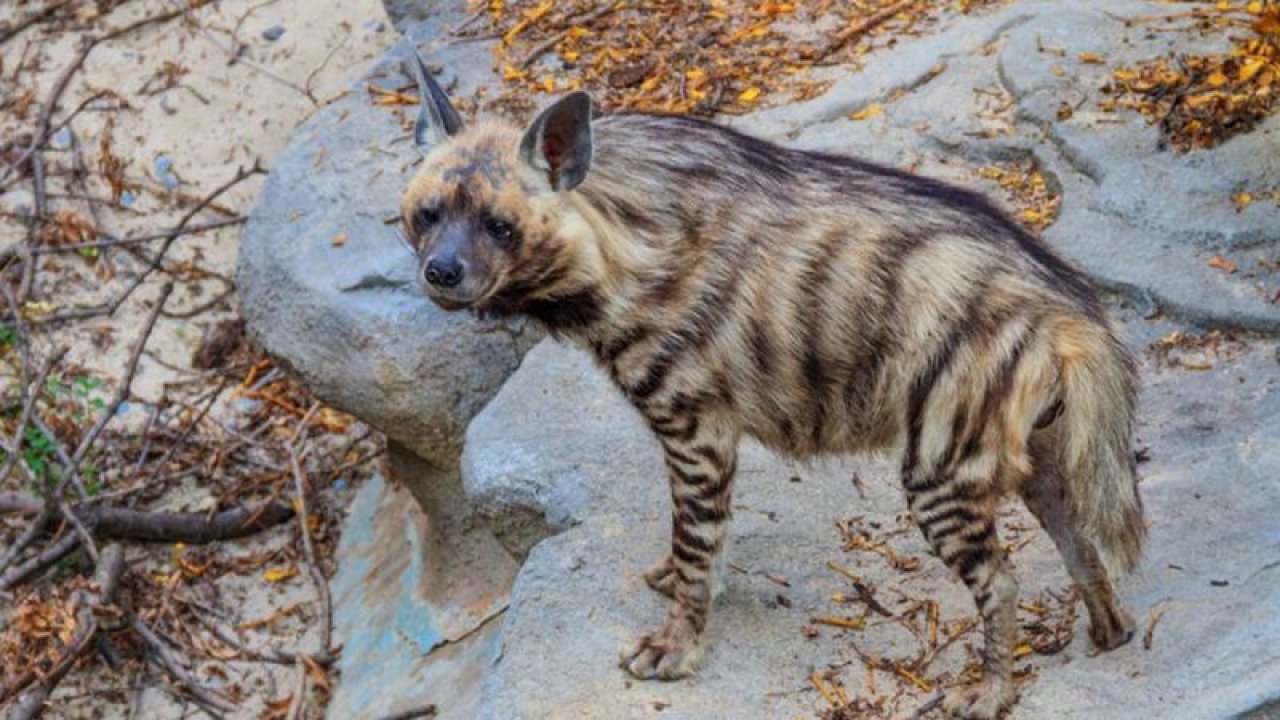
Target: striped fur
<point x="820" y="304"/>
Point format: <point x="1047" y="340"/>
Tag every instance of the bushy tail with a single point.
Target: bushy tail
<point x="1099" y="393"/>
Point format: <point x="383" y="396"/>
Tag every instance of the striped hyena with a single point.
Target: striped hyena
<point x="818" y="303"/>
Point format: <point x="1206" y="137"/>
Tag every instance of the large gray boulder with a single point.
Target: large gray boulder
<point x="530" y="476"/>
<point x="329" y="289"/>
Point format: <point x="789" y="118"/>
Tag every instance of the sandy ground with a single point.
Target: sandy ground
<point x="198" y="98"/>
<point x="219" y="117"/>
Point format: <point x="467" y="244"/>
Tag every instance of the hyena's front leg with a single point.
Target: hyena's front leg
<point x="701" y="469"/>
<point x="956" y="512"/>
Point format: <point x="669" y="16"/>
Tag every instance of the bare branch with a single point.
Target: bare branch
<point x="213" y="703"/>
<point x="317" y="575"/>
<point x="46" y="557"/>
<point x="146" y="526"/>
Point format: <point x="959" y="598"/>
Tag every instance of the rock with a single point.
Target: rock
<point x="529" y="477"/>
<point x="349" y="319"/>
<point x="163" y="169"/>
<point x="407" y="15"/>
<point x="572" y="456"/>
<point x="273" y="33"/>
<point x="414" y="597"/>
<point x="62" y="140"/>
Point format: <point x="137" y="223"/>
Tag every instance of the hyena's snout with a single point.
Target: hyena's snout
<point x="446" y="264"/>
<point x="453" y="274"/>
<point x="444" y="271"/>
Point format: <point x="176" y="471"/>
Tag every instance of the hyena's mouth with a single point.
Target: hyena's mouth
<point x="461" y="298"/>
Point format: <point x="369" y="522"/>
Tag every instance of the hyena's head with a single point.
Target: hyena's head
<point x="488" y="214"/>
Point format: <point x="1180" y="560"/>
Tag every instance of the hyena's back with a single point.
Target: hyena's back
<point x="831" y="305"/>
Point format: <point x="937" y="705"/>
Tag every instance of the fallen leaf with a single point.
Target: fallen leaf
<point x="339" y="240"/>
<point x="848" y="623"/>
<point x="1228" y="266"/>
<point x="867" y="112"/>
<point x="1251" y="68"/>
<point x="1090" y="58"/>
<point x="279" y="574"/>
<point x="749" y="95"/>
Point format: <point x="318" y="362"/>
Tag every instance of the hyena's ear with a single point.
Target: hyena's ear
<point x="559" y="141"/>
<point x="437" y="120"/>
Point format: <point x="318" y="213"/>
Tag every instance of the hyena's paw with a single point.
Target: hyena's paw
<point x="673" y="652"/>
<point x="983" y="700"/>
<point x="1111" y="629"/>
<point x="662" y="577"/>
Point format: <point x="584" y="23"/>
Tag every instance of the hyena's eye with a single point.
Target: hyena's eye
<point x="424" y="219"/>
<point x="503" y="232"/>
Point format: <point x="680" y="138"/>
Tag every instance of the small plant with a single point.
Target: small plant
<point x="37" y="452"/>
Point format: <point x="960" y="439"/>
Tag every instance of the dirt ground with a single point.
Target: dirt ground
<point x="149" y="125"/>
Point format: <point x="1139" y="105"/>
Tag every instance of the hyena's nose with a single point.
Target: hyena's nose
<point x="443" y="272"/>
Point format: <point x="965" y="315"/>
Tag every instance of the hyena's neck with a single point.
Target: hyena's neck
<point x="617" y="269"/>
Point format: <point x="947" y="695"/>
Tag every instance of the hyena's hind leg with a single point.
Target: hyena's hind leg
<point x="956" y="512"/>
<point x="954" y="502"/>
<point x="1045" y="493"/>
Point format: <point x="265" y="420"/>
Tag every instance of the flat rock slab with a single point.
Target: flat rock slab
<point x="416" y="597"/>
<point x="569" y="447"/>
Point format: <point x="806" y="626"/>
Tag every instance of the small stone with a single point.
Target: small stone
<point x="273" y="33"/>
<point x="62" y="139"/>
<point x="246" y="406"/>
<point x="164" y="171"/>
<point x="168" y="103"/>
